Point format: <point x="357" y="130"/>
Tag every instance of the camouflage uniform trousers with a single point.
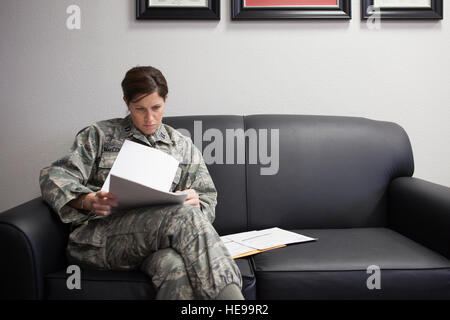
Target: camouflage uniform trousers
<point x="175" y="245"/>
<point x="169" y="276"/>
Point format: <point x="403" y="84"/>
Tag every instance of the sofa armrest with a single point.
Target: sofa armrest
<point x="32" y="244"/>
<point x="420" y="210"/>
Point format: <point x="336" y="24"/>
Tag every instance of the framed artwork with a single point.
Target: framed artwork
<point x="178" y="9"/>
<point x="290" y="9"/>
<point x="402" y="9"/>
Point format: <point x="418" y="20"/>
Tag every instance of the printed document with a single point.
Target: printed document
<point x="252" y="242"/>
<point x="142" y="176"/>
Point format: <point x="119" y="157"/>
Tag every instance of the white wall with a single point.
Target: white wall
<point x="55" y="81"/>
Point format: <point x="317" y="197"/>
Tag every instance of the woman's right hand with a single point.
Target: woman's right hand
<point x="100" y="202"/>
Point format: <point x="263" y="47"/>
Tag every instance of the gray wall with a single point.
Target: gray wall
<point x="55" y="81"/>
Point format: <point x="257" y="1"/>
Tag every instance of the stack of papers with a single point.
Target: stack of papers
<point x="252" y="242"/>
<point x="142" y="176"/>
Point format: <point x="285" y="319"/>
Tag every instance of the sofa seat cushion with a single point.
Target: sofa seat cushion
<point x="124" y="285"/>
<point x="99" y="284"/>
<point x="336" y="267"/>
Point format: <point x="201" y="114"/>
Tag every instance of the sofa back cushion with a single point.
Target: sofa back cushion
<point x="229" y="179"/>
<point x="332" y="173"/>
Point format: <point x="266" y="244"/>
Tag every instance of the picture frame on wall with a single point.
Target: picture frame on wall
<point x="402" y="9"/>
<point x="290" y="9"/>
<point x="178" y="9"/>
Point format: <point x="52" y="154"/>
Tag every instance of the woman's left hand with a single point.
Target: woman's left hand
<point x="192" y="199"/>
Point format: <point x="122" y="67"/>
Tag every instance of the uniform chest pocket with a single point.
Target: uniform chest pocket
<point x="105" y="164"/>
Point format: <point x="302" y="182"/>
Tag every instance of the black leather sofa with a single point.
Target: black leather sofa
<point x="345" y="180"/>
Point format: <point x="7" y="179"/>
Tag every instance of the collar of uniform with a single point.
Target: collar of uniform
<point x="159" y="135"/>
<point x="162" y="135"/>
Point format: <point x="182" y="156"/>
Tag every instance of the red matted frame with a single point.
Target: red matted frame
<point x="290" y="9"/>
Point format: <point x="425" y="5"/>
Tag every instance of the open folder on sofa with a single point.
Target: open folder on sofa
<point x="248" y="243"/>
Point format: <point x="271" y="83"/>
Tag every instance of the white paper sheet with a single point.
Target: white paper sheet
<point x="267" y="238"/>
<point x="142" y="176"/>
<point x="132" y="195"/>
<point x="235" y="248"/>
<point x="144" y="165"/>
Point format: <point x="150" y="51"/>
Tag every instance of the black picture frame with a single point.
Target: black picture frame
<point x="433" y="13"/>
<point x="238" y="12"/>
<point x="144" y="12"/>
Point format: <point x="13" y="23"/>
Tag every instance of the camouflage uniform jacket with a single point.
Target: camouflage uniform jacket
<point x="92" y="155"/>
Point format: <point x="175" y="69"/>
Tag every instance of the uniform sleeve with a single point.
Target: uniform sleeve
<point x="66" y="178"/>
<point x="199" y="179"/>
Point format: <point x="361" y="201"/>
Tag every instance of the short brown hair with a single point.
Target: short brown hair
<point x="142" y="81"/>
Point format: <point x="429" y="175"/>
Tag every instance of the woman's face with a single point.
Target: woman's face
<point x="147" y="113"/>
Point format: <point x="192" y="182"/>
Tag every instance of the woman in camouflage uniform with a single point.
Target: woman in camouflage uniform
<point x="176" y="245"/>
